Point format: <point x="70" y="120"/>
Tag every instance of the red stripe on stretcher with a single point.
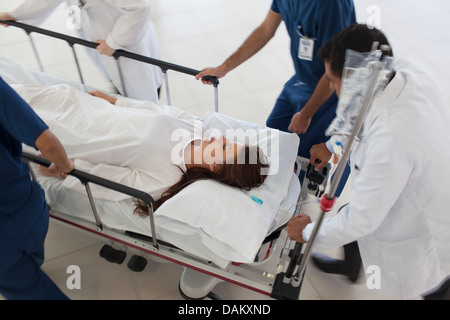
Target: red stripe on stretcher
<point x="162" y="256"/>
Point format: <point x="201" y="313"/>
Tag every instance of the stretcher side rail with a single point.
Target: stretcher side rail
<point x="86" y="178"/>
<point x="247" y="277"/>
<point x="119" y="53"/>
<point x="165" y="66"/>
<point x="256" y="276"/>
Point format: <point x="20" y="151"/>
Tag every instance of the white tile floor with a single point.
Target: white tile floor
<point x="197" y="34"/>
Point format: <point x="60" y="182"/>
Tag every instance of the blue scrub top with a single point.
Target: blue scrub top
<point x="319" y="20"/>
<point x="18" y="124"/>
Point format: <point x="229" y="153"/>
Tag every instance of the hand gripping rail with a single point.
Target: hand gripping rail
<point x="117" y="54"/>
<point x="86" y="179"/>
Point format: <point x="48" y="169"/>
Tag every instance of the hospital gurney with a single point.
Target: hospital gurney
<point x="249" y="274"/>
<point x="201" y="274"/>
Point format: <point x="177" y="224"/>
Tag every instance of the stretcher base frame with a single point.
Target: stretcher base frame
<point x="263" y="277"/>
<point x="248" y="276"/>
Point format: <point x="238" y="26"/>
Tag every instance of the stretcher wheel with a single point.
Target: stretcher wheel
<point x="137" y="263"/>
<point x="112" y="255"/>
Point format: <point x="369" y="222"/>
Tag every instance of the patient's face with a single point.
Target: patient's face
<point x="218" y="151"/>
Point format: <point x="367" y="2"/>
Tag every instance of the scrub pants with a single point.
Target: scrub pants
<point x="292" y="99"/>
<point x="22" y="253"/>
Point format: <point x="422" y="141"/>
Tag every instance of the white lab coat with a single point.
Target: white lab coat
<point x="123" y="24"/>
<point x="399" y="204"/>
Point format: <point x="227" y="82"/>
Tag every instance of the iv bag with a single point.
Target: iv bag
<point x="356" y="77"/>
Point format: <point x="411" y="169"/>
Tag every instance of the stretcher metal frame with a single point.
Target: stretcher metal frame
<point x="72" y="41"/>
<point x="254" y="276"/>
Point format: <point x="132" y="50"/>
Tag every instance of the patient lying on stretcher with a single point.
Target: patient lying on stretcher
<point x="141" y="144"/>
<point x="213" y="158"/>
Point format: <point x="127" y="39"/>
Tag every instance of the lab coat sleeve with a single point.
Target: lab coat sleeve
<point x="35" y="12"/>
<point x="131" y="26"/>
<point x="334" y="141"/>
<point x="386" y="169"/>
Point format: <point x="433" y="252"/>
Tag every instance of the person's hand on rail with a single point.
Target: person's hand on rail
<point x="54" y="171"/>
<point x="4" y="16"/>
<point x="104" y="49"/>
<point x="320" y="155"/>
<point x="218" y="72"/>
<point x="52" y="149"/>
<point x="296" y="226"/>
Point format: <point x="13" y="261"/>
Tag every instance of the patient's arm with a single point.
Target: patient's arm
<point x="104" y="96"/>
<point x="144" y="105"/>
<point x="125" y="102"/>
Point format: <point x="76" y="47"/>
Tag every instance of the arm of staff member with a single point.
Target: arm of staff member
<point x="255" y="42"/>
<point x="104" y="48"/>
<point x="301" y="120"/>
<point x="52" y="149"/>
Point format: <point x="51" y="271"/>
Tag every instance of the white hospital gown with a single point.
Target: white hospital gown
<point x="131" y="142"/>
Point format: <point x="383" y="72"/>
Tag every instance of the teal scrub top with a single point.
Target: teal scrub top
<point x="319" y="20"/>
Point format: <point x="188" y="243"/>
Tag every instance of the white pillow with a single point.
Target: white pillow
<point x="228" y="214"/>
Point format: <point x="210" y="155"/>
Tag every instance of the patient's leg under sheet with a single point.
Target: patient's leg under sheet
<point x="91" y="129"/>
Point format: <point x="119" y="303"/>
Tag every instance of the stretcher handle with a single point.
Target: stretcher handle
<point x="118" y="53"/>
<point x="86" y="177"/>
<point x="163" y="65"/>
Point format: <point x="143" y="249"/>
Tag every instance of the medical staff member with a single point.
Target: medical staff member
<point x="399" y="205"/>
<point x="114" y="24"/>
<point x="23" y="211"/>
<point x="306" y="105"/>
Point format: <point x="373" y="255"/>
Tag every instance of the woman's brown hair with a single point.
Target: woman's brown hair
<point x="244" y="176"/>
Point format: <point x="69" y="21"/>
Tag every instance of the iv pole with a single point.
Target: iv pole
<point x="287" y="284"/>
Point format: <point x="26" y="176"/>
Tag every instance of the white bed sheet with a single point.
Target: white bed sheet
<point x="175" y="224"/>
<point x="118" y="215"/>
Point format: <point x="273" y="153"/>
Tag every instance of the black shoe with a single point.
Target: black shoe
<point x="442" y="293"/>
<point x="348" y="267"/>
